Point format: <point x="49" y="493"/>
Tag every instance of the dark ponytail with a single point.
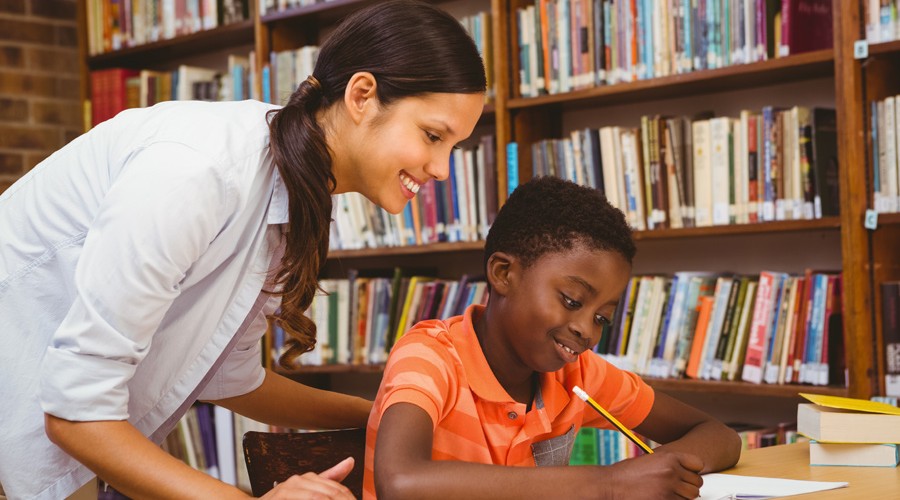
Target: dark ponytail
<point x="412" y="49"/>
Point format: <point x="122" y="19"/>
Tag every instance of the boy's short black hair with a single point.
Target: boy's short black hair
<point x="549" y="214"/>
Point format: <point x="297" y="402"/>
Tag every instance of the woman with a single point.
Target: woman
<point x="136" y="260"/>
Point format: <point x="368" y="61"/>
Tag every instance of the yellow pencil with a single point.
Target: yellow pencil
<point x="618" y="425"/>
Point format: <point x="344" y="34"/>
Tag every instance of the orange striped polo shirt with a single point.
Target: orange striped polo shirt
<point x="439" y="366"/>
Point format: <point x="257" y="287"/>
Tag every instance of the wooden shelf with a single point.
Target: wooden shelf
<point x="827" y="223"/>
<point x="889" y="219"/>
<point x="432" y="248"/>
<point x="710" y="386"/>
<point x="885" y="48"/>
<point x="738" y="229"/>
<point x="311" y="369"/>
<point x="165" y="51"/>
<point x="675" y="385"/>
<point x="804" y="66"/>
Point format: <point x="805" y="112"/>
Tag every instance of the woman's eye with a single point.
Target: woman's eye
<point x="432" y="137"/>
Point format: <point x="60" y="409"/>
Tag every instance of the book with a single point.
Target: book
<point x="890" y="327"/>
<point x="834" y="419"/>
<point x="854" y="454"/>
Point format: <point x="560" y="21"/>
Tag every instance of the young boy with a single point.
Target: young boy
<point x="464" y="397"/>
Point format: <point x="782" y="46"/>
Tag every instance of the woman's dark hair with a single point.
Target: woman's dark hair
<point x="412" y="49"/>
<point x="549" y="214"/>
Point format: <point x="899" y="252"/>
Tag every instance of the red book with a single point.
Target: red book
<point x="806" y="26"/>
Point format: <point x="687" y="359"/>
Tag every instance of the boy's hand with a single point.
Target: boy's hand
<point x="660" y="475"/>
<point x="311" y="485"/>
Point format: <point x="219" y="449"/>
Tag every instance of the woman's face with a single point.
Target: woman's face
<point x="409" y="144"/>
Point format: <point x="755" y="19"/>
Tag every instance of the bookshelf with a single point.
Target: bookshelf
<point x="866" y="257"/>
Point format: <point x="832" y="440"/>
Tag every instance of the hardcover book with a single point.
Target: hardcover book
<point x="834" y="419"/>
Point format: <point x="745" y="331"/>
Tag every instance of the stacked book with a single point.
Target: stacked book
<point x="847" y="431"/>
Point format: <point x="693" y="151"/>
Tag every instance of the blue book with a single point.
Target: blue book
<point x="267" y="84"/>
<point x="512" y="167"/>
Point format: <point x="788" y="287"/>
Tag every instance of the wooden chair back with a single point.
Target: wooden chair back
<point x="275" y="456"/>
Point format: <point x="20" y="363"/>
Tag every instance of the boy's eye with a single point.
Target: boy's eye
<point x="601" y="320"/>
<point x="570" y="302"/>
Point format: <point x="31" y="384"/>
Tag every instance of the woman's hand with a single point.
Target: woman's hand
<point x="312" y="485"/>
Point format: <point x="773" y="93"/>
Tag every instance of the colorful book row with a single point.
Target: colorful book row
<point x="118" y="24"/>
<point x="773" y="328"/>
<point x="566" y="45"/>
<point x="359" y="319"/>
<point x="885" y="160"/>
<point x="674" y="172"/>
<point x="116" y="89"/>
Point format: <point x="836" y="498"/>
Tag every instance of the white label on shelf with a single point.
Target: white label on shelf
<point x="892" y="385"/>
<point x="861" y="48"/>
<point x="720" y="214"/>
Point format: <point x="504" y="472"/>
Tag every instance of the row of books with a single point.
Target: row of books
<point x="288" y="68"/>
<point x="118" y="24"/>
<point x="775" y="328"/>
<point x="208" y="438"/>
<point x="459" y="209"/>
<point x="851" y="432"/>
<point x="565" y="45"/>
<point x="273" y="6"/>
<point x="358" y="319"/>
<point x="116" y="89"/>
<point x="607" y="446"/>
<point x="882" y="20"/>
<point x="673" y="172"/>
<point x="885" y="157"/>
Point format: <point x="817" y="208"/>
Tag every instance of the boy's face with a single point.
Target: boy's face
<point x="555" y="309"/>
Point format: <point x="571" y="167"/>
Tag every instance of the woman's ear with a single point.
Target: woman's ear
<point x="500" y="271"/>
<point x="360" y="96"/>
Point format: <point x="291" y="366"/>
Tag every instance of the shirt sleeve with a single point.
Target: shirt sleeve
<point x="159" y="215"/>
<point x="419" y="371"/>
<point x="622" y="393"/>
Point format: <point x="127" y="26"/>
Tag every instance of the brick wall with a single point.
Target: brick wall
<point x="40" y="102"/>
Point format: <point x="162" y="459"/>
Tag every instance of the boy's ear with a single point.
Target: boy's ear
<point x="499" y="271"/>
<point x="360" y="96"/>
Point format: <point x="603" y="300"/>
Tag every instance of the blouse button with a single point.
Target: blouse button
<point x="512" y="415"/>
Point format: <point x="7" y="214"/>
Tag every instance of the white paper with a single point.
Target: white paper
<point x="730" y="486"/>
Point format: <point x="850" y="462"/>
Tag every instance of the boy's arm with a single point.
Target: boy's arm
<point x="404" y="469"/>
<point x="688" y="430"/>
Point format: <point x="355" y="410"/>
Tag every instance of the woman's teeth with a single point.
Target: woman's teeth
<point x="409" y="183"/>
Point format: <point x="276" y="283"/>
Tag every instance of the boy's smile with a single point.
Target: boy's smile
<point x="545" y="315"/>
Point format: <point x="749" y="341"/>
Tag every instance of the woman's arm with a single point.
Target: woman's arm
<point x="284" y="402"/>
<point x="404" y="469"/>
<point x="688" y="430"/>
<point x="136" y="467"/>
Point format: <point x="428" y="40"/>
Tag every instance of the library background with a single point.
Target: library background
<point x="752" y="145"/>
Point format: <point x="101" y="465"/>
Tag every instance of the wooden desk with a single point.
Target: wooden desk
<point x="792" y="462"/>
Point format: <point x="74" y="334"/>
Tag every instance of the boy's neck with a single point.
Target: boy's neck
<point x="520" y="384"/>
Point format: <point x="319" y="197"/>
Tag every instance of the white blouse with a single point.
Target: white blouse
<point x="128" y="259"/>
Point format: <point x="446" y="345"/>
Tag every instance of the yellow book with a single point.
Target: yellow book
<point x="408" y="303"/>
